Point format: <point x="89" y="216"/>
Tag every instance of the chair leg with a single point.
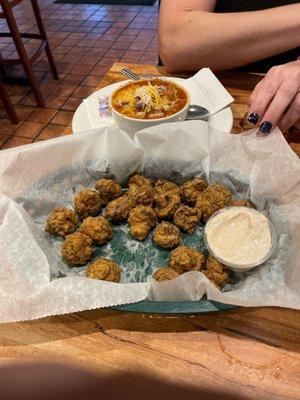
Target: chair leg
<point x="8" y="105"/>
<point x="2" y="69"/>
<point x="22" y="52"/>
<point x="37" y="13"/>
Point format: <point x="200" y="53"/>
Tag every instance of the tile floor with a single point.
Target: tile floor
<point x="86" y="40"/>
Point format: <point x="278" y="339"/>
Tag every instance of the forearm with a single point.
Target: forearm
<point x="194" y="39"/>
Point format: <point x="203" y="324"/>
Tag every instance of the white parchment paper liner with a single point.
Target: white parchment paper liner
<point x="265" y="169"/>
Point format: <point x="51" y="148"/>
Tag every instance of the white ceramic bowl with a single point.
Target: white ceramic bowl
<point x="132" y="125"/>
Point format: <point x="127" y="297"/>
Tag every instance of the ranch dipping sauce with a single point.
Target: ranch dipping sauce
<point x="240" y="237"/>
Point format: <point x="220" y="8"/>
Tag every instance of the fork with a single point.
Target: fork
<point x="130" y="74"/>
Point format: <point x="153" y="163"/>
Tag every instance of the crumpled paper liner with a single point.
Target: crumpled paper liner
<point x="36" y="178"/>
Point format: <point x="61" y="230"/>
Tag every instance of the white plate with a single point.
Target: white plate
<point x="222" y="120"/>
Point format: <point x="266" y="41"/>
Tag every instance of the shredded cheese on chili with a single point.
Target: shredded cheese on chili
<point x="148" y="99"/>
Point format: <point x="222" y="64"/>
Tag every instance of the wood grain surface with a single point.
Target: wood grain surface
<point x="251" y="352"/>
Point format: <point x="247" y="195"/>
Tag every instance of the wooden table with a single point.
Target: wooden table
<point x="252" y="352"/>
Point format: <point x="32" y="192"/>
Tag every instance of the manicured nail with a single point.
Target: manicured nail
<point x="253" y="118"/>
<point x="265" y="127"/>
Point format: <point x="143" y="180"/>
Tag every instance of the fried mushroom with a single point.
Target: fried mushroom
<point x="96" y="228"/>
<point x="141" y="220"/>
<point x="108" y="190"/>
<point x="163" y="186"/>
<point x="166" y="204"/>
<point x="216" y="272"/>
<point x="165" y="274"/>
<point x="62" y="221"/>
<point x="141" y="190"/>
<point x="119" y="209"/>
<point x="77" y="249"/>
<point x="87" y="203"/>
<point x="185" y="258"/>
<point x="212" y="199"/>
<point x="191" y="190"/>
<point x="186" y="218"/>
<point x="166" y="235"/>
<point x="105" y="270"/>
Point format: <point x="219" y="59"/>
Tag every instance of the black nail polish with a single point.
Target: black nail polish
<point x="253" y="118"/>
<point x="265" y="127"/>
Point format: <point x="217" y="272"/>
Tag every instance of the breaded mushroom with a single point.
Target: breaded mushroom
<point x="96" y="228"/>
<point x="212" y="199"/>
<point x="119" y="209"/>
<point x="108" y="190"/>
<point x="191" y="190"/>
<point x="105" y="270"/>
<point x="62" y="221"/>
<point x="141" y="190"/>
<point x="166" y="235"/>
<point x="185" y="258"/>
<point x="166" y="204"/>
<point x="163" y="186"/>
<point x="186" y="218"/>
<point x="141" y="220"/>
<point x="165" y="274"/>
<point x="87" y="203"/>
<point x="77" y="249"/>
<point x="216" y="272"/>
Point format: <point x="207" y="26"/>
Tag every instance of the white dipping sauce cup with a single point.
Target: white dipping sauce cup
<point x="228" y="264"/>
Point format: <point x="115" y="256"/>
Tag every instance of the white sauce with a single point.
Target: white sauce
<point x="239" y="235"/>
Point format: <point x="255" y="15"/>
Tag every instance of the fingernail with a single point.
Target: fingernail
<point x="253" y="118"/>
<point x="265" y="127"/>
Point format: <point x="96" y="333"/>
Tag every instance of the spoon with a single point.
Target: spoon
<point x="197" y="112"/>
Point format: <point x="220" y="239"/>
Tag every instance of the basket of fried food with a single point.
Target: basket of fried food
<point x="157" y="207"/>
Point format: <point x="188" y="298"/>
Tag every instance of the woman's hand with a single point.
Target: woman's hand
<point x="276" y="99"/>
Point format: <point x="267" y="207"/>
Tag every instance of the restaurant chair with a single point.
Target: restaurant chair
<point x="8" y="105"/>
<point x="24" y="59"/>
<point x="159" y="62"/>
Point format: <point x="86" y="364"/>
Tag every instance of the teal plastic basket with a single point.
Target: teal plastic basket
<point x="175" y="307"/>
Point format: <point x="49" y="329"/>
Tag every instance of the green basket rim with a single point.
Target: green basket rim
<point x="175" y="307"/>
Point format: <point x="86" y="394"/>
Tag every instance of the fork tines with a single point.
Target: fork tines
<point x="130" y="74"/>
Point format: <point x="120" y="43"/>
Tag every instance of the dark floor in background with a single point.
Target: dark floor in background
<point x="86" y="40"/>
<point x="114" y="2"/>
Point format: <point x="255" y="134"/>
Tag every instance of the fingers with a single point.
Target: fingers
<point x="292" y="115"/>
<point x="255" y="91"/>
<point x="253" y="117"/>
<point x="283" y="97"/>
<point x="263" y="94"/>
<point x="274" y="96"/>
